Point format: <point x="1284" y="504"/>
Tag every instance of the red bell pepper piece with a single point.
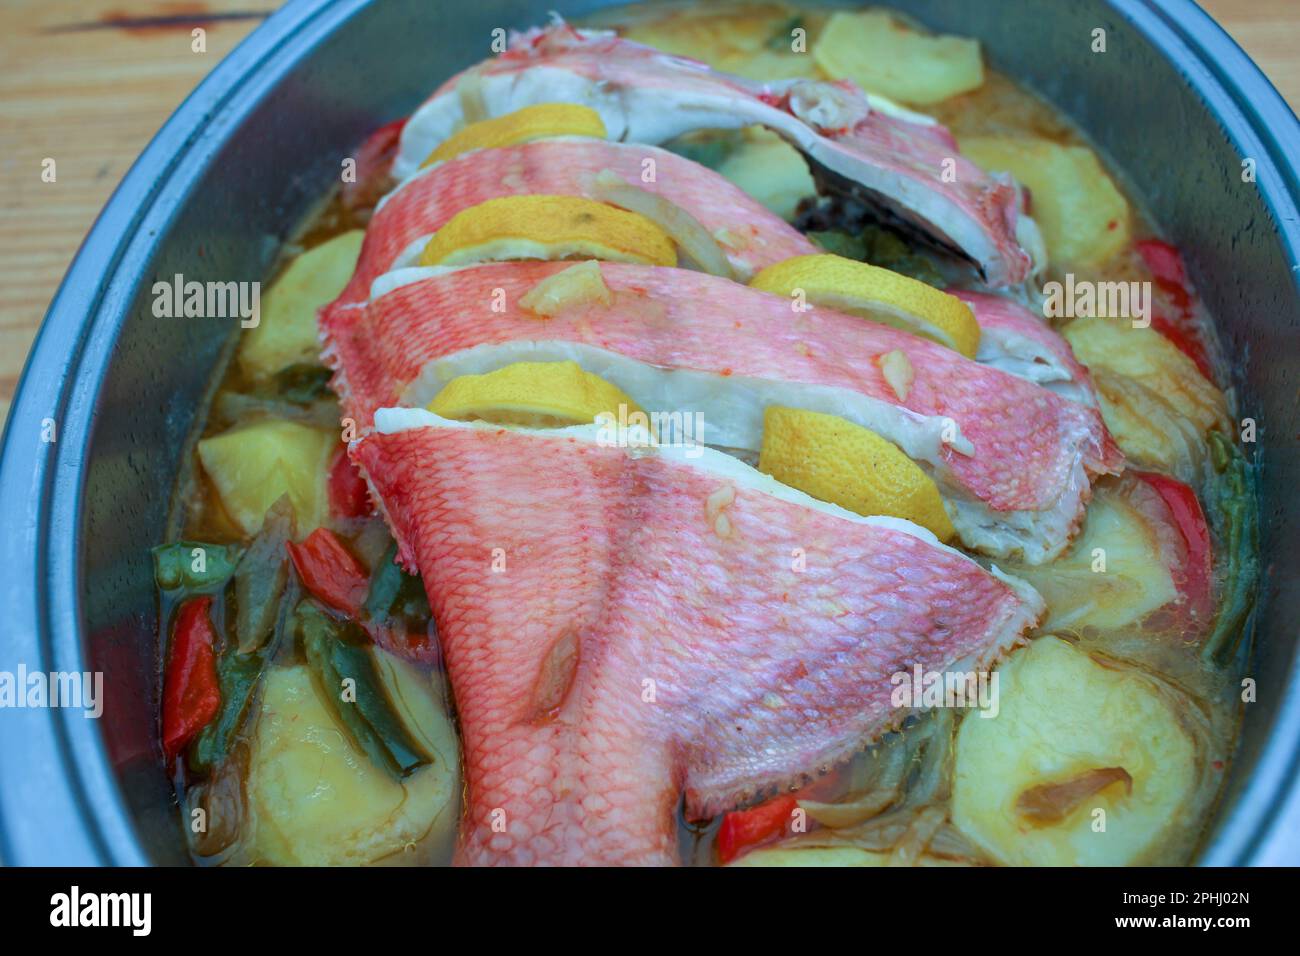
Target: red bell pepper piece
<point x="742" y="829"/>
<point x="1177" y="324"/>
<point x="1187" y="514"/>
<point x="1186" y="341"/>
<point x="191" y="691"/>
<point x="349" y="496"/>
<point x="1166" y="265"/>
<point x="330" y="572"/>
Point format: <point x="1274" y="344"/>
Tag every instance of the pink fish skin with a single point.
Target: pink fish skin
<point x="612" y="645"/>
<point x="1028" y="442"/>
<point x="750" y="236"/>
<point x="1015" y="340"/>
<point x="902" y="162"/>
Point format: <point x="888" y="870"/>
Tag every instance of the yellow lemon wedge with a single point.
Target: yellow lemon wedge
<point x="542" y="121"/>
<point x="548" y="227"/>
<point x="538" y="394"/>
<point x="837" y="461"/>
<point x="876" y="294"/>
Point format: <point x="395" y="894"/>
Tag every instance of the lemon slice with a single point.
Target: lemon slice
<point x="548" y="227"/>
<point x="876" y="294"/>
<point x="541" y="121"/>
<point x="848" y="465"/>
<point x="539" y="394"/>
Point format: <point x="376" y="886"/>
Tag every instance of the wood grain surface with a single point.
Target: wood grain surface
<point x="88" y="83"/>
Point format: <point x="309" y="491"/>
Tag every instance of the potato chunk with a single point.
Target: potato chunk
<point x="1153" y="398"/>
<point x="753" y="41"/>
<point x="314" y="800"/>
<point x="883" y="56"/>
<point x="826" y="856"/>
<point x="286" y="334"/>
<point x="1136" y="578"/>
<point x="253" y="465"/>
<point x="1083" y="217"/>
<point x="813" y="856"/>
<point x="771" y="170"/>
<point x="1068" y="722"/>
<point x="1147" y="358"/>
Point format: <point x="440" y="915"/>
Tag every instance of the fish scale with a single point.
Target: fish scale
<point x="754" y="237"/>
<point x="705" y="664"/>
<point x="901" y="162"/>
<point x="1017" y="341"/>
<point x="1033" y="449"/>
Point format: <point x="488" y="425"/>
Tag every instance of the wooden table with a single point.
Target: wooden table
<point x="88" y="83"/>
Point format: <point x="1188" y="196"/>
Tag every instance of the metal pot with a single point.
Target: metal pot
<point x="1173" y="103"/>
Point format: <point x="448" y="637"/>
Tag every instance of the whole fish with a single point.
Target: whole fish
<point x="625" y="629"/>
<point x="905" y="165"/>
<point x="749" y="235"/>
<point x="1014" y="461"/>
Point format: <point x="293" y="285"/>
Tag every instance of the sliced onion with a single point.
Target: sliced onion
<point x="222" y="799"/>
<point x="880" y="834"/>
<point x="927" y="828"/>
<point x="683" y="228"/>
<point x="850" y="812"/>
<point x="236" y="406"/>
<point x="952" y="845"/>
<point x="933" y="779"/>
<point x="261" y="576"/>
<point x="918" y="836"/>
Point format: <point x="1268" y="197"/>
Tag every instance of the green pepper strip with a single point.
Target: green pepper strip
<point x="1240" y="534"/>
<point x="238" y="675"/>
<point x="336" y="652"/>
<point x="302" y="384"/>
<point x="394" y="593"/>
<point x="385" y="584"/>
<point x="174" y="567"/>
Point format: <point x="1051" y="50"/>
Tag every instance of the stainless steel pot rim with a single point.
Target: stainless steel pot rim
<point x="60" y="802"/>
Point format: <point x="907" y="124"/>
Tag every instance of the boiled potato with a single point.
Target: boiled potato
<point x="1149" y="429"/>
<point x="753" y="41"/>
<point x="830" y="856"/>
<point x="1063" y="716"/>
<point x="771" y="170"/>
<point x="883" y="56"/>
<point x="1148" y="358"/>
<point x="253" y="465"/>
<point x="286" y="334"/>
<point x="315" y="800"/>
<point x="812" y="856"/>
<point x="768" y="65"/>
<point x="1135" y="580"/>
<point x="1083" y="217"/>
<point x="1153" y="398"/>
